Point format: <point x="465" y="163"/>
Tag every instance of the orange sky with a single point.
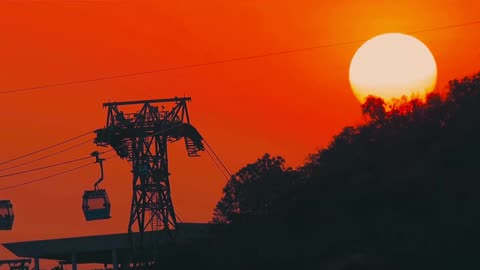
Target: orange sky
<point x="288" y="105"/>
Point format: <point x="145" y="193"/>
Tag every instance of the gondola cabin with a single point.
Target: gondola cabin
<point x="96" y="205"/>
<point x="6" y="215"/>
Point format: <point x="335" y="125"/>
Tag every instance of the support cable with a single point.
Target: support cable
<point x="45" y="157"/>
<point x="217" y="165"/>
<point x="47" y="177"/>
<point x="45" y="149"/>
<point x="45" y="167"/>
<point x="216" y="156"/>
<point x="53" y="175"/>
<point x="177" y="216"/>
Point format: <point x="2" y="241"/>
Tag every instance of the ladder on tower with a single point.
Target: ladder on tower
<point x="156" y="219"/>
<point x="192" y="150"/>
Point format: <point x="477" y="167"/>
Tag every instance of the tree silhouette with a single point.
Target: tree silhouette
<point x="253" y="190"/>
<point x="374" y="108"/>
<point x="400" y="189"/>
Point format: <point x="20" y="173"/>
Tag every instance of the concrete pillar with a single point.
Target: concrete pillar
<point x="36" y="263"/>
<point x="74" y="261"/>
<point x="114" y="259"/>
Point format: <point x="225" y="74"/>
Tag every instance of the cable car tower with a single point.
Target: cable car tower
<point x="141" y="138"/>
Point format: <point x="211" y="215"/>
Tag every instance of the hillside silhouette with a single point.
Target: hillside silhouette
<point x="400" y="191"/>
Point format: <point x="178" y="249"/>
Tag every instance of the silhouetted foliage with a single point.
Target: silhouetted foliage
<point x="374" y="107"/>
<point x="402" y="185"/>
<point x="397" y="192"/>
<point x="253" y="190"/>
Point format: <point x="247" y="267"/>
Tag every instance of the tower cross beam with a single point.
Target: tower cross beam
<point x="147" y="101"/>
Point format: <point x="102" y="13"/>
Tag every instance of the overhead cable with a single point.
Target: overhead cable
<point x="45" y="157"/>
<point x="229" y="60"/>
<point x="45" y="167"/>
<point x="45" y="149"/>
<point x="51" y="176"/>
<point x="216" y="156"/>
<point x="47" y="177"/>
<point x="217" y="165"/>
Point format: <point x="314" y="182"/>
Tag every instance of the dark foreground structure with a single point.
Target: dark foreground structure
<point x="20" y="264"/>
<point x="113" y="249"/>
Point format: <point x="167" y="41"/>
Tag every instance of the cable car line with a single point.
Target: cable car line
<point x="235" y="59"/>
<point x="53" y="175"/>
<point x="45" y="167"/>
<point x="69" y="161"/>
<point x="217" y="165"/>
<point x="178" y="216"/>
<point x="216" y="156"/>
<point x="47" y="177"/>
<point x="46" y="148"/>
<point x="45" y="157"/>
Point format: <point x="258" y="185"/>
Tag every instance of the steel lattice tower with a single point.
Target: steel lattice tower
<point x="142" y="138"/>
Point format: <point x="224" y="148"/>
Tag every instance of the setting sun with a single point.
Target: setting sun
<point x="391" y="66"/>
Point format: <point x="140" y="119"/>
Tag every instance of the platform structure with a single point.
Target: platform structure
<point x="112" y="249"/>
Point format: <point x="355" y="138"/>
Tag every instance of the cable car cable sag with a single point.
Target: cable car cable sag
<point x="45" y="167"/>
<point x="74" y="160"/>
<point x="53" y="175"/>
<point x="217" y="165"/>
<point x="45" y="157"/>
<point x="47" y="177"/>
<point x="216" y="156"/>
<point x="46" y="148"/>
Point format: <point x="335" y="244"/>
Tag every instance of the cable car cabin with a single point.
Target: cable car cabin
<point x="6" y="215"/>
<point x="96" y="205"/>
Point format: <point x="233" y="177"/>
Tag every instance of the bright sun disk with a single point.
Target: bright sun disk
<point x="391" y="66"/>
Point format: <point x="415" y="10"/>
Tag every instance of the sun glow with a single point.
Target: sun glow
<point x="391" y="66"/>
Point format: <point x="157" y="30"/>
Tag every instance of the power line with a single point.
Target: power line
<point x="53" y="175"/>
<point x="44" y="149"/>
<point x="45" y="167"/>
<point x="45" y="157"/>
<point x="444" y="27"/>
<point x="235" y="59"/>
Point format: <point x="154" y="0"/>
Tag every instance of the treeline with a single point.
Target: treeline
<point x="401" y="191"/>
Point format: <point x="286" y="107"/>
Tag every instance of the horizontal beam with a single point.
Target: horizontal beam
<point x="175" y="99"/>
<point x="88" y="247"/>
